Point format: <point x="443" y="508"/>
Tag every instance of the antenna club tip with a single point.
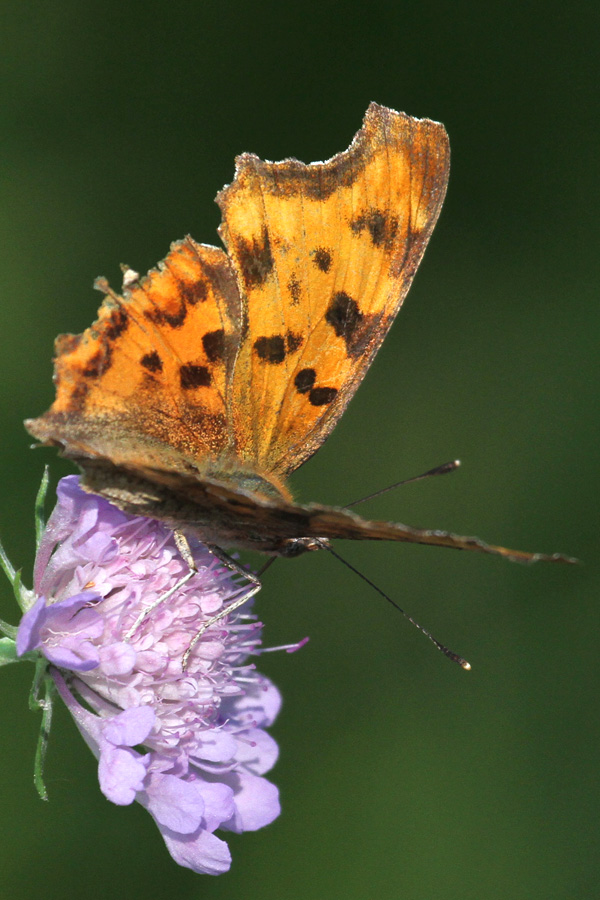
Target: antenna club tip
<point x="460" y="660"/>
<point x="456" y="463"/>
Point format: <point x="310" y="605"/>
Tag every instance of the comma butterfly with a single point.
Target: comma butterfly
<point x="207" y="382"/>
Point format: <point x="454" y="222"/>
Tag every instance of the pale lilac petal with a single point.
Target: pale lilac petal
<point x="63" y="631"/>
<point x="121" y="774"/>
<point x="28" y="635"/>
<point x="257" y="751"/>
<point x="203" y="853"/>
<point x="81" y="658"/>
<point x="219" y="803"/>
<point x="260" y="705"/>
<point x="130" y="727"/>
<point x="215" y="746"/>
<point x="89" y="725"/>
<point x="117" y="659"/>
<point x="256" y="800"/>
<point x="75" y="515"/>
<point x="175" y="804"/>
<point x="76" y="616"/>
<point x="59" y="525"/>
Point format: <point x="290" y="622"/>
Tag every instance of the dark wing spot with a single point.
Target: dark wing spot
<point x="344" y="316"/>
<point x="293" y="341"/>
<point x="321" y="396"/>
<point x="295" y="289"/>
<point x="162" y="317"/>
<point x="116" y="323"/>
<point x="99" y="363"/>
<point x="152" y="361"/>
<point x="192" y="292"/>
<point x="256" y="259"/>
<point x="192" y="376"/>
<point x="77" y="397"/>
<point x="322" y="259"/>
<point x="360" y="332"/>
<point x="381" y="227"/>
<point x="270" y="349"/>
<point x="305" y="380"/>
<point x="214" y="345"/>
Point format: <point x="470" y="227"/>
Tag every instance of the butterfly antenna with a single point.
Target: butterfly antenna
<point x="444" y="469"/>
<point x="442" y="647"/>
<point x="266" y="566"/>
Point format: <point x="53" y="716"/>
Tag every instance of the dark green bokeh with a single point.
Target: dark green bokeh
<point x="401" y="776"/>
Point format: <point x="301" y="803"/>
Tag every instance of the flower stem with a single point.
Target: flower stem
<point x="41" y="675"/>
<point x="8" y="648"/>
<point x="40" y="500"/>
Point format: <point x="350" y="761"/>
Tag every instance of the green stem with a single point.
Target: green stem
<point x="46" y="705"/>
<point x="6" y="564"/>
<point x="8" y="648"/>
<point x="40" y="500"/>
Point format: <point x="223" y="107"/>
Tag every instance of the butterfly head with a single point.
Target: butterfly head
<point x="297" y="546"/>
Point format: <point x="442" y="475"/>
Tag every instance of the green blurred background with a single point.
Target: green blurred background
<point x="401" y="776"/>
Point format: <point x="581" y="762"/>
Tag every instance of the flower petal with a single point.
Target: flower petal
<point x="215" y="746"/>
<point x="121" y="774"/>
<point x="63" y="631"/>
<point x="257" y="751"/>
<point x="117" y="659"/>
<point x="130" y="727"/>
<point x="260" y="705"/>
<point x="203" y="853"/>
<point x="256" y="800"/>
<point x="28" y="635"/>
<point x="219" y="803"/>
<point x="81" y="659"/>
<point x="175" y="804"/>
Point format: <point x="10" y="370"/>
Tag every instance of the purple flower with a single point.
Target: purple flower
<point x="180" y="732"/>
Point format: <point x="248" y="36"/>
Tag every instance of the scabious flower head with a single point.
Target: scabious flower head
<point x="180" y="732"/>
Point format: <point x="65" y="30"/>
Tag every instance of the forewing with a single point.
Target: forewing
<point x="324" y="255"/>
<point x="146" y="383"/>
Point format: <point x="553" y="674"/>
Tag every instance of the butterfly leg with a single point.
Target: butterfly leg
<point x="230" y="563"/>
<point x="244" y="595"/>
<point x="186" y="553"/>
<point x="239" y="599"/>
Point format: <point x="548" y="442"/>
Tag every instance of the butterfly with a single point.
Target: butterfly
<point x="206" y="383"/>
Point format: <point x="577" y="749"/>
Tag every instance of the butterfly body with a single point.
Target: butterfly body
<point x="205" y="384"/>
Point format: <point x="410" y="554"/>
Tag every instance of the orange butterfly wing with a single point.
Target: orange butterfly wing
<point x="147" y="382"/>
<point x="324" y="255"/>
